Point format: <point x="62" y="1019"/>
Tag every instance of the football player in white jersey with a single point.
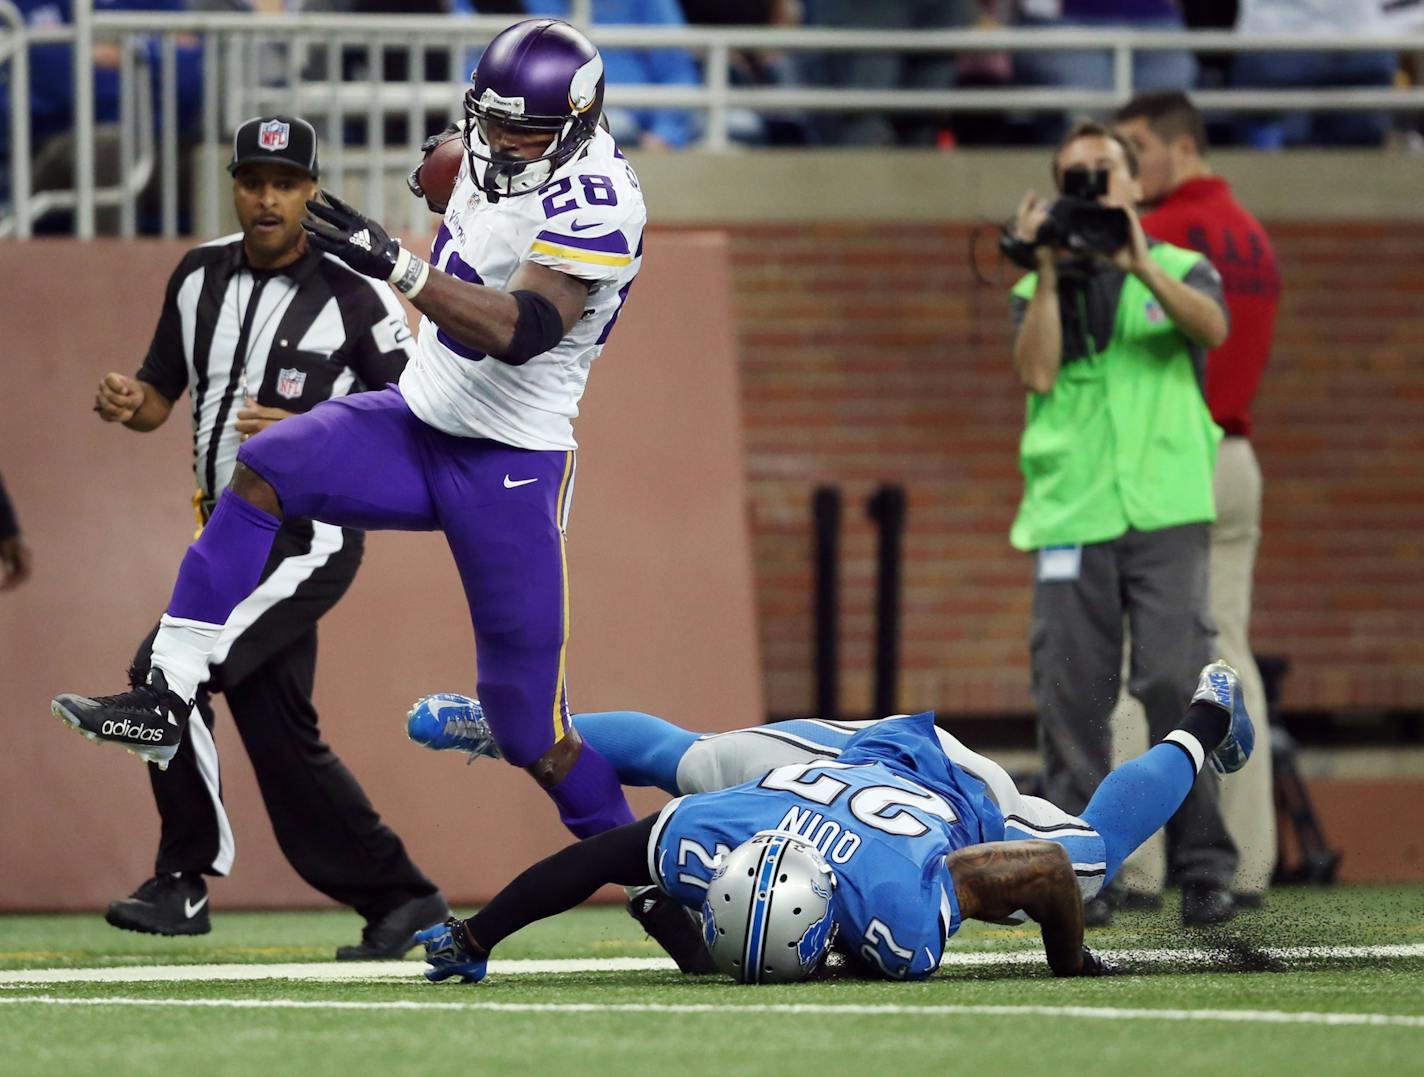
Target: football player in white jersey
<point x="539" y="246"/>
<point x="587" y="224"/>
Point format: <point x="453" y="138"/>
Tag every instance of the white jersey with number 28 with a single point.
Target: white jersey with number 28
<point x="587" y="221"/>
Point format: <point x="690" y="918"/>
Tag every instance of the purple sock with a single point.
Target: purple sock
<point x="590" y="799"/>
<point x="224" y="565"/>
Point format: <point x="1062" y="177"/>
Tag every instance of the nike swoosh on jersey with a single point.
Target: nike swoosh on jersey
<point x="191" y="910"/>
<point x="510" y="484"/>
<point x="574" y="226"/>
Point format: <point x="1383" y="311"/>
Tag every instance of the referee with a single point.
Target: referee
<point x="256" y="327"/>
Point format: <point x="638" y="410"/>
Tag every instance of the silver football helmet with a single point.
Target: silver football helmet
<point x="767" y="917"/>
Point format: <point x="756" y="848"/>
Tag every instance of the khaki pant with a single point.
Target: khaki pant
<point x="1247" y="803"/>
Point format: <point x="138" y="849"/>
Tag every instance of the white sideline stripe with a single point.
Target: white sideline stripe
<point x="335" y="971"/>
<point x="1273" y="1017"/>
<point x="327" y="971"/>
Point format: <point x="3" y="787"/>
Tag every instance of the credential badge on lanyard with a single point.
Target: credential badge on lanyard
<point x="1059" y="563"/>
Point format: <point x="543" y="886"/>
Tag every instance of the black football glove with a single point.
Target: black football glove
<point x="354" y="238"/>
<point x="1093" y="965"/>
<point x="452" y="130"/>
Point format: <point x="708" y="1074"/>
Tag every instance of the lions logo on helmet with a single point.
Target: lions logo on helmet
<point x="538" y="76"/>
<point x="768" y="913"/>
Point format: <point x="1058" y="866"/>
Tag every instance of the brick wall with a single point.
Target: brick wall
<point x="869" y="354"/>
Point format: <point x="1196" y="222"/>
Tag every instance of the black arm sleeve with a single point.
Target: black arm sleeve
<point x="165" y="367"/>
<point x="9" y="524"/>
<point x="565" y="880"/>
<point x="538" y="328"/>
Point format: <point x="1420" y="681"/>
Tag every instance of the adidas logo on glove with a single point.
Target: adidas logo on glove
<point x="362" y="239"/>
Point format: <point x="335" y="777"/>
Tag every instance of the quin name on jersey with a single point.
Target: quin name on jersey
<point x="587" y="221"/>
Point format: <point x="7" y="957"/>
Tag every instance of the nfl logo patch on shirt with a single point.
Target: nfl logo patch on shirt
<point x="1154" y="311"/>
<point x="273" y="135"/>
<point x="290" y="382"/>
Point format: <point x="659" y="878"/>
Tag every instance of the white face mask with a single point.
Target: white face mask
<point x="530" y="176"/>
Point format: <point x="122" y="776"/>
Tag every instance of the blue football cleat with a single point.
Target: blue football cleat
<point x="1220" y="686"/>
<point x="448" y="721"/>
<point x="446" y="955"/>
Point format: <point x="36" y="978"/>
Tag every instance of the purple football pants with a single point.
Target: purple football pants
<point x="366" y="461"/>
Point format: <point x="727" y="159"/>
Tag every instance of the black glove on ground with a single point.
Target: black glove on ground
<point x="1093" y="965"/>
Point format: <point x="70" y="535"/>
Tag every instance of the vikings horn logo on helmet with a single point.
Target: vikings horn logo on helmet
<point x="583" y="87"/>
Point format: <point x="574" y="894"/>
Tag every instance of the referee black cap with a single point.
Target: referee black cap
<point x="288" y="139"/>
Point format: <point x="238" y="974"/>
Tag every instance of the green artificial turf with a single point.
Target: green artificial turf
<point x="408" y="1026"/>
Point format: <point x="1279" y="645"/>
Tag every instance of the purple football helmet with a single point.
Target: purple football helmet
<point x="541" y="75"/>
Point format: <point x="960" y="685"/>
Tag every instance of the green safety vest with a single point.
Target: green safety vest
<point x="1124" y="438"/>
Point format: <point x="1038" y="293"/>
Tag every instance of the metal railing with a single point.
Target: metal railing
<point x="262" y="64"/>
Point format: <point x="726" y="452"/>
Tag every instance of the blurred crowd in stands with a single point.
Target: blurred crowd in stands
<point x="1332" y="20"/>
<point x="51" y="93"/>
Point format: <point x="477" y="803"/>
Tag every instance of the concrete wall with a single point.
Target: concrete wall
<point x="853" y="186"/>
<point x="659" y="559"/>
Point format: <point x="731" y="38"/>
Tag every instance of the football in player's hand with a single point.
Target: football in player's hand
<point x="436" y="174"/>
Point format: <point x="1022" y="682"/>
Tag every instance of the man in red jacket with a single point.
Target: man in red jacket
<point x="1192" y="207"/>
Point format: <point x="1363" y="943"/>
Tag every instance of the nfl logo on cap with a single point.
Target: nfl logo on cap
<point x="288" y="139"/>
<point x="274" y="135"/>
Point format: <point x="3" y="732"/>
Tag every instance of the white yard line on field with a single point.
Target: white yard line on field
<point x="328" y="970"/>
<point x="1110" y="1013"/>
<point x="406" y="970"/>
<point x="409" y="970"/>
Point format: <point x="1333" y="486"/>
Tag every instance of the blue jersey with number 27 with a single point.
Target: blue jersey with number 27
<point x="885" y="815"/>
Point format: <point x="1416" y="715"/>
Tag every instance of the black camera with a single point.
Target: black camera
<point x="1076" y="222"/>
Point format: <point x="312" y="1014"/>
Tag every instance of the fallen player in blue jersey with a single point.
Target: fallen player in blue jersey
<point x="888" y="834"/>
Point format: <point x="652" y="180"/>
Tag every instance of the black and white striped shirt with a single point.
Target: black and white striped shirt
<point x="288" y="338"/>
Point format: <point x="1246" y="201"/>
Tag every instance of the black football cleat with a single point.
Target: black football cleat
<point x="167" y="904"/>
<point x="391" y="936"/>
<point x="148" y="719"/>
<point x="1204" y="905"/>
<point x="674" y="927"/>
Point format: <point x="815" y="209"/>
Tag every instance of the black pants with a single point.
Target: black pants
<point x="265" y="665"/>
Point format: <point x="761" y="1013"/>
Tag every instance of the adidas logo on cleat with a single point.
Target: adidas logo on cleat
<point x="129" y="731"/>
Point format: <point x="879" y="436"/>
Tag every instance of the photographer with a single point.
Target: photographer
<point x="1117" y="454"/>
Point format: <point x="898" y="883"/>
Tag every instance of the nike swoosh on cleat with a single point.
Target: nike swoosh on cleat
<point x="439" y="706"/>
<point x="191" y="910"/>
<point x="510" y="484"/>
